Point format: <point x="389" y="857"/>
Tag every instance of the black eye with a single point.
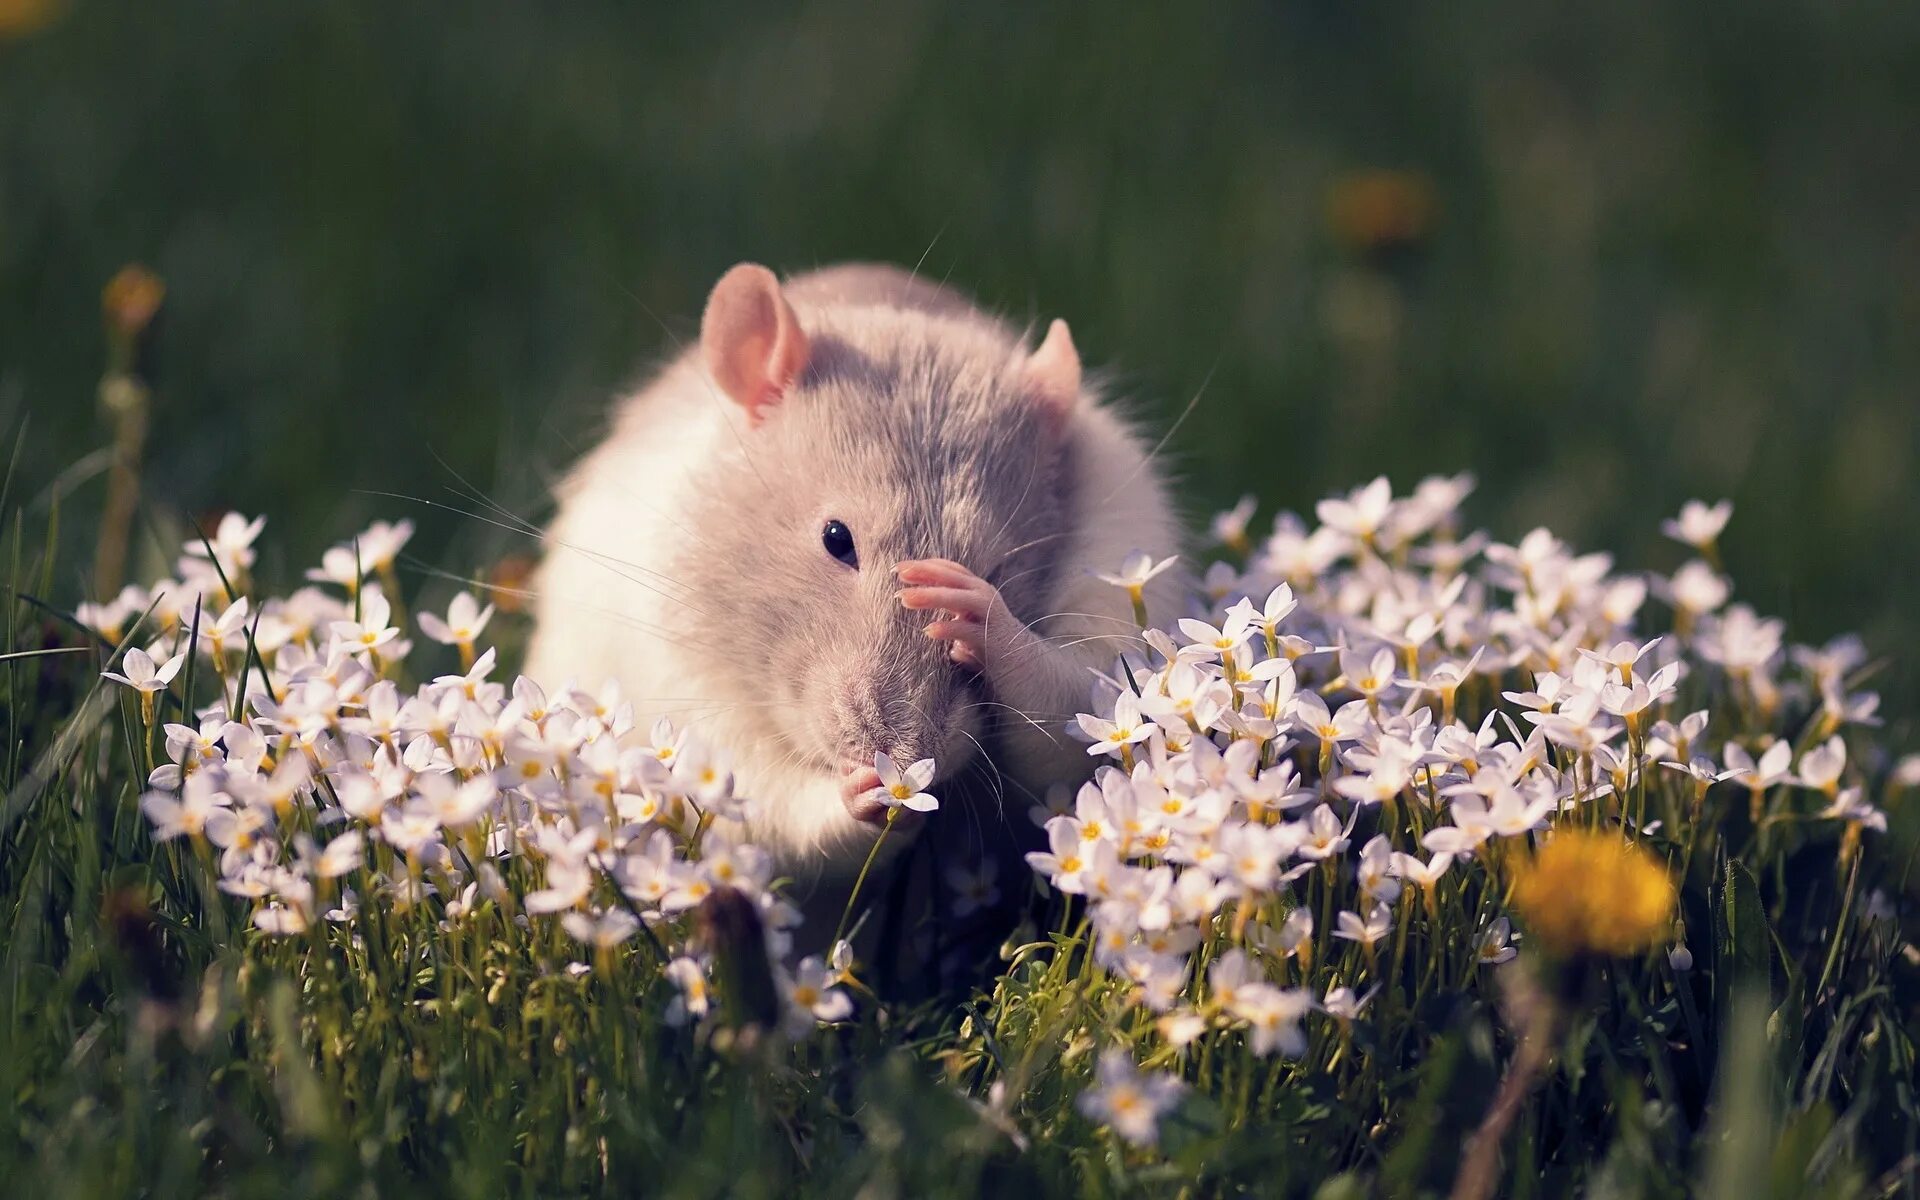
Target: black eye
<point x="838" y="540"/>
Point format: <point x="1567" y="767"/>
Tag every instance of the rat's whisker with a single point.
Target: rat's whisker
<point x="624" y="620"/>
<point x="616" y="566"/>
<point x="640" y="500"/>
<point x="1165" y="438"/>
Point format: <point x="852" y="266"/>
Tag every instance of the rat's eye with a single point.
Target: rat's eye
<point x="838" y="540"/>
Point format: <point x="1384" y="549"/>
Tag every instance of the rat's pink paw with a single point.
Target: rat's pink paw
<point x="977" y="610"/>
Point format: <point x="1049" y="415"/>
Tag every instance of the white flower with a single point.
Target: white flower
<point x="1492" y="948"/>
<point x="813" y="995"/>
<point x="1295" y="934"/>
<point x="1273" y="1018"/>
<point x="1343" y="1004"/>
<point x="1066" y="857"/>
<point x="1821" y="766"/>
<point x="1127" y="728"/>
<point x="1229" y="973"/>
<point x="1363" y="511"/>
<point x="1621" y="658"/>
<point x="227" y="634"/>
<point x="1697" y="588"/>
<point x="1375" y="873"/>
<point x="232" y="542"/>
<point x="694" y="999"/>
<point x="1181" y="1028"/>
<point x="1421" y="874"/>
<point x="1739" y="640"/>
<point x="1698" y="524"/>
<point x="1127" y="1100"/>
<point x="1852" y="805"/>
<point x="1219" y="642"/>
<point x="1774" y="765"/>
<point x="370" y="631"/>
<point x="463" y="624"/>
<point x="142" y="675"/>
<point x="567" y="885"/>
<point x="410" y="829"/>
<point x="903" y="787"/>
<point x="602" y="931"/>
<point x="279" y="919"/>
<point x="1906" y="772"/>
<point x="381" y="542"/>
<point x="342" y="856"/>
<point x="186" y="813"/>
<point x="1366" y="931"/>
<point x="1323" y="837"/>
<point x="1137" y="571"/>
<point x="1229" y="528"/>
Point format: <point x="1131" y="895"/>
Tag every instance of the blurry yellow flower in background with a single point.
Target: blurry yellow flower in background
<point x="1593" y="892"/>
<point x="21" y="18"/>
<point x="133" y="295"/>
<point x="1381" y="210"/>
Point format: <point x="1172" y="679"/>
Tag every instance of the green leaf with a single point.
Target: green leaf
<point x="1744" y="940"/>
<point x="1787" y="1026"/>
<point x="1740" y="1137"/>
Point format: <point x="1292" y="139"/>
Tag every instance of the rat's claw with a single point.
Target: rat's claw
<point x="966" y="641"/>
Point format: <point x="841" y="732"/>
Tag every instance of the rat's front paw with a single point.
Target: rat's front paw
<point x="979" y="627"/>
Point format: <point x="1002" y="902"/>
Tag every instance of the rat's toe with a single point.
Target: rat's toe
<point x="964" y="602"/>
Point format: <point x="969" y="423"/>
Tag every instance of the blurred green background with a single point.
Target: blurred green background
<point x="1606" y="259"/>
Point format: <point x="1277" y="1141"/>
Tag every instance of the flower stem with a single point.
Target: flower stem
<point x="860" y="880"/>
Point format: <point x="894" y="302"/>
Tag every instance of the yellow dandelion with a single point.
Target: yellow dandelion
<point x="1591" y="892"/>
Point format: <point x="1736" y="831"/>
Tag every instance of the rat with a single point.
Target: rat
<point x="860" y="516"/>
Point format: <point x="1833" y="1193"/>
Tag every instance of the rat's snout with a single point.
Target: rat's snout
<point x="898" y="694"/>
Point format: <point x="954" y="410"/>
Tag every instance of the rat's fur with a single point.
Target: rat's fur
<point x="686" y="559"/>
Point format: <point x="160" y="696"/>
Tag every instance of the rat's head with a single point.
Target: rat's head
<point x="871" y="435"/>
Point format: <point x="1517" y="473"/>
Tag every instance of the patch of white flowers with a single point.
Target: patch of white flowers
<point x="1293" y="752"/>
<point x="317" y="785"/>
<point x="1287" y="782"/>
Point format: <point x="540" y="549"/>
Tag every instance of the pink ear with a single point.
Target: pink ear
<point x="751" y="340"/>
<point x="1051" y="375"/>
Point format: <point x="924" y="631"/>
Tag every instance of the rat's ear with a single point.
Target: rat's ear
<point x="1051" y="375"/>
<point x="751" y="340"/>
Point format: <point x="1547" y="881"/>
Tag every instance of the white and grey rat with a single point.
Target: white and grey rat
<point x="861" y="515"/>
